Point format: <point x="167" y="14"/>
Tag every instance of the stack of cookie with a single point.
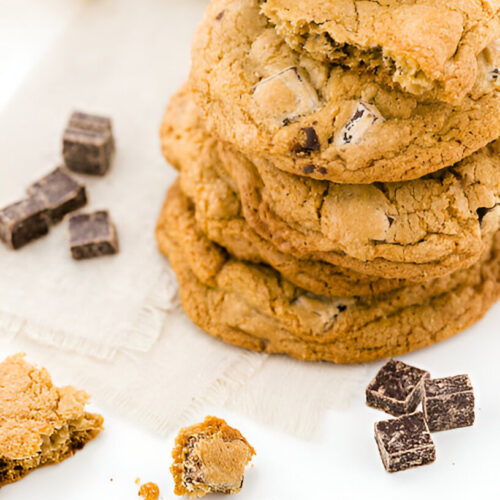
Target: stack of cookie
<point x="339" y="188"/>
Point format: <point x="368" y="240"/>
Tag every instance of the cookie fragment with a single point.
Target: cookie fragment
<point x="404" y="442"/>
<point x="40" y="424"/>
<point x="92" y="235"/>
<point x="448" y="403"/>
<point x="286" y="96"/>
<point x="209" y="457"/>
<point x="88" y="144"/>
<point x="397" y="388"/>
<point x="352" y="132"/>
<point x="23" y="221"/>
<point x="60" y="192"/>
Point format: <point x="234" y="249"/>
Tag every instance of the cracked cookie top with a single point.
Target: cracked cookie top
<point x="427" y="47"/>
<point x="323" y="120"/>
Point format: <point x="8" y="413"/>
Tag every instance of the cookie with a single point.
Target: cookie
<point x="40" y="424"/>
<point x="215" y="207"/>
<point x="210" y="457"/>
<point x="254" y="307"/>
<point x="413" y="230"/>
<point x="386" y="38"/>
<point x="321" y="120"/>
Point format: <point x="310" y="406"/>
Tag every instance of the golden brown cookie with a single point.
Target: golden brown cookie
<point x="321" y="120"/>
<point x="210" y="457"/>
<point x="217" y="210"/>
<point x="40" y="424"/>
<point x="413" y="230"/>
<point x="254" y="307"/>
<point x="427" y="46"/>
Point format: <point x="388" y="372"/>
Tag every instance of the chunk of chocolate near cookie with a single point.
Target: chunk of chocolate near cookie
<point x="209" y="457"/>
<point x="92" y="235"/>
<point x="397" y="388"/>
<point x="448" y="403"/>
<point x="88" y="144"/>
<point x="60" y="193"/>
<point x="23" y="222"/>
<point x="404" y="442"/>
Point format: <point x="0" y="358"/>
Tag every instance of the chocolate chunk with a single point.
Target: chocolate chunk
<point x="397" y="388"/>
<point x="309" y="169"/>
<point x="448" y="403"/>
<point x="285" y="96"/>
<point x="88" y="144"/>
<point x="220" y="15"/>
<point x="92" y="235"/>
<point x="364" y="116"/>
<point x="404" y="442"/>
<point x="322" y="170"/>
<point x="23" y="222"/>
<point x="310" y="143"/>
<point x="61" y="193"/>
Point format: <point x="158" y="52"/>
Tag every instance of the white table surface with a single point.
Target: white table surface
<point x="341" y="462"/>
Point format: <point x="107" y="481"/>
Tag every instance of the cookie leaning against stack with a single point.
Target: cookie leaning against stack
<point x="387" y="240"/>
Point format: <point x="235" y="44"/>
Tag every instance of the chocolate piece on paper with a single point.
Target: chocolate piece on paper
<point x="448" y="403"/>
<point x="23" y="222"/>
<point x="61" y="193"/>
<point x="404" y="442"/>
<point x="397" y="388"/>
<point x="88" y="144"/>
<point x="92" y="235"/>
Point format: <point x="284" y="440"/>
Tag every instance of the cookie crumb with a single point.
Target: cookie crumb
<point x="137" y="480"/>
<point x="149" y="491"/>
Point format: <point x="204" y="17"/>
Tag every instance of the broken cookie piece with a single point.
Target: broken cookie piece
<point x="397" y="388"/>
<point x="361" y="120"/>
<point x="40" y="424"/>
<point x="285" y="96"/>
<point x="60" y="192"/>
<point x="92" y="235"/>
<point x="448" y="403"/>
<point x="209" y="457"/>
<point x="404" y="442"/>
<point x="23" y="222"/>
<point x="88" y="144"/>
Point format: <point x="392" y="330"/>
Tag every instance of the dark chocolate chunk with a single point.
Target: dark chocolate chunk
<point x="61" y="193"/>
<point x="308" y="169"/>
<point x="88" y="144"/>
<point x="404" y="442"/>
<point x="92" y="235"/>
<point x="448" y="403"/>
<point x="322" y="170"/>
<point x="23" y="222"/>
<point x="310" y="144"/>
<point x="397" y="388"/>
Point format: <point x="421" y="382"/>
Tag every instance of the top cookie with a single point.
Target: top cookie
<point x="424" y="46"/>
<point x="320" y="120"/>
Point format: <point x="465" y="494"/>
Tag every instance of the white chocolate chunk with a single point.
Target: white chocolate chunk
<point x="286" y="95"/>
<point x="352" y="132"/>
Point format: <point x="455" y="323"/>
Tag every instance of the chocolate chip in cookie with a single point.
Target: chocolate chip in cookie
<point x="352" y="132"/>
<point x="286" y="95"/>
<point x="308" y="142"/>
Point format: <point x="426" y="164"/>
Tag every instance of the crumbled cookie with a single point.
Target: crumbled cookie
<point x="272" y="102"/>
<point x="149" y="491"/>
<point x="209" y="457"/>
<point x="40" y="424"/>
<point x="385" y="38"/>
<point x="413" y="230"/>
<point x="253" y="306"/>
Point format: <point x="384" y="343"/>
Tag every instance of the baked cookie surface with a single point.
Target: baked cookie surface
<point x="425" y="47"/>
<point x="253" y="306"/>
<point x="411" y="230"/>
<point x="210" y="457"/>
<point x="216" y="209"/>
<point x="40" y="424"/>
<point x="321" y="120"/>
